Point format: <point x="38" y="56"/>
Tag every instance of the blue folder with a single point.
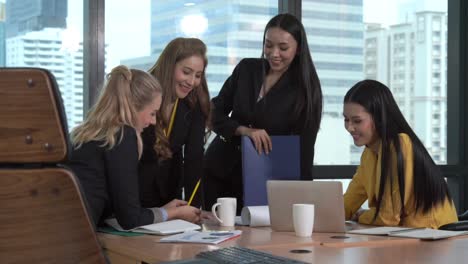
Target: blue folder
<point x="282" y="163"/>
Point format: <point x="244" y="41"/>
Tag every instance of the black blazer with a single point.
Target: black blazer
<point x="162" y="180"/>
<point x="109" y="180"/>
<point x="274" y="113"/>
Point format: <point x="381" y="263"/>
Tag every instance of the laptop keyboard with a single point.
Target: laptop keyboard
<point x="241" y="255"/>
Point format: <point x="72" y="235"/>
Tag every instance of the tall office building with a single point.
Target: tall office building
<point x="36" y="36"/>
<point x="33" y="15"/>
<point x="411" y="58"/>
<point x="335" y="34"/>
<point x="336" y="37"/>
<point x="47" y="49"/>
<point x="2" y="34"/>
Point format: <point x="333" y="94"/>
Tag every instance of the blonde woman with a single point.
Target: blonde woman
<point x="107" y="148"/>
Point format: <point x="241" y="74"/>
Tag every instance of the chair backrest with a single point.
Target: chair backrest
<point x="43" y="216"/>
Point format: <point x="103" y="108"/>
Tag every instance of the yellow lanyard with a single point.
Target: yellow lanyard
<point x="171" y="122"/>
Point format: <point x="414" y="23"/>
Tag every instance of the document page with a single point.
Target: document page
<point x="420" y="233"/>
<point x="205" y="237"/>
<point x="163" y="228"/>
<point x="382" y="231"/>
<point x="428" y="234"/>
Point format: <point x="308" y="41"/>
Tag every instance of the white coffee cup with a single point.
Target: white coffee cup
<point x="303" y="219"/>
<point x="227" y="211"/>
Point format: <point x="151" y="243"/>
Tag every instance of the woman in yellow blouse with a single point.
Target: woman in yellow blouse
<point x="394" y="159"/>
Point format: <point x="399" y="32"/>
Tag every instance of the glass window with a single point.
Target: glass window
<point x="377" y="42"/>
<point x="232" y="30"/>
<point x="47" y="38"/>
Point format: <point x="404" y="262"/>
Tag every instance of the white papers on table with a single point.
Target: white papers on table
<point x="429" y="234"/>
<point x="420" y="233"/>
<point x="163" y="228"/>
<point x="382" y="231"/>
<point x="205" y="237"/>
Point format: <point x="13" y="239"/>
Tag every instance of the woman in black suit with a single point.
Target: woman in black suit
<point x="278" y="94"/>
<point x="184" y="110"/>
<point x="107" y="147"/>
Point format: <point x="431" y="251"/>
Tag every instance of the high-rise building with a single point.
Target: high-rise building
<point x="376" y="53"/>
<point x="2" y="34"/>
<point x="336" y="39"/>
<point x="411" y="58"/>
<point x="24" y="16"/>
<point x="46" y="49"/>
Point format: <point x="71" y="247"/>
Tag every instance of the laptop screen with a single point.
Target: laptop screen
<point x="327" y="196"/>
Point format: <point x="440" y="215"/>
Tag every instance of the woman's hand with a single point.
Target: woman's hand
<point x="208" y="218"/>
<point x="259" y="137"/>
<point x="174" y="203"/>
<point x="206" y="215"/>
<point x="185" y="212"/>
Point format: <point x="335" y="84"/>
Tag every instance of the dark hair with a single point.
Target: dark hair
<point x="309" y="99"/>
<point x="430" y="188"/>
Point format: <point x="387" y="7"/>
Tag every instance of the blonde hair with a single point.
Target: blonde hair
<point x="126" y="92"/>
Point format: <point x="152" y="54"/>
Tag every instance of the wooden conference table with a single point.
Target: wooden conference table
<point x="322" y="247"/>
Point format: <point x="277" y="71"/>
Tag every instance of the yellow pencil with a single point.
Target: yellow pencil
<point x="194" y="192"/>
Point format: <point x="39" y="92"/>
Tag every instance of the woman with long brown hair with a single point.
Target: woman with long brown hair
<point x="175" y="160"/>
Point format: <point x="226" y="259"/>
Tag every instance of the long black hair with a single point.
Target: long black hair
<point x="430" y="188"/>
<point x="309" y="99"/>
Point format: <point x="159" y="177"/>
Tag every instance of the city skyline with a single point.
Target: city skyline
<point x="124" y="30"/>
<point x="336" y="40"/>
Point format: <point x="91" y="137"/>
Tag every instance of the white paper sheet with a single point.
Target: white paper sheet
<point x="206" y="237"/>
<point x="163" y="228"/>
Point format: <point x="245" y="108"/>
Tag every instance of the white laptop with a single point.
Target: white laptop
<point x="327" y="196"/>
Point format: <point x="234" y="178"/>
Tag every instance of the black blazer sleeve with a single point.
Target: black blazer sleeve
<point x="223" y="105"/>
<point x="148" y="170"/>
<point x="193" y="155"/>
<point x="122" y="178"/>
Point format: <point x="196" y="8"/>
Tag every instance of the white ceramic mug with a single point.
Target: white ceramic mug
<point x="303" y="219"/>
<point x="227" y="211"/>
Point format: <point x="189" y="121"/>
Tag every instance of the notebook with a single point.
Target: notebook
<point x="163" y="228"/>
<point x="282" y="163"/>
<point x="420" y="233"/>
<point x="327" y="196"/>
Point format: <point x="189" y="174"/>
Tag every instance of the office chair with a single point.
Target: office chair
<point x="43" y="216"/>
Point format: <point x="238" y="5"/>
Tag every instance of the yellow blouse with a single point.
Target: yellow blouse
<point x="365" y="186"/>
